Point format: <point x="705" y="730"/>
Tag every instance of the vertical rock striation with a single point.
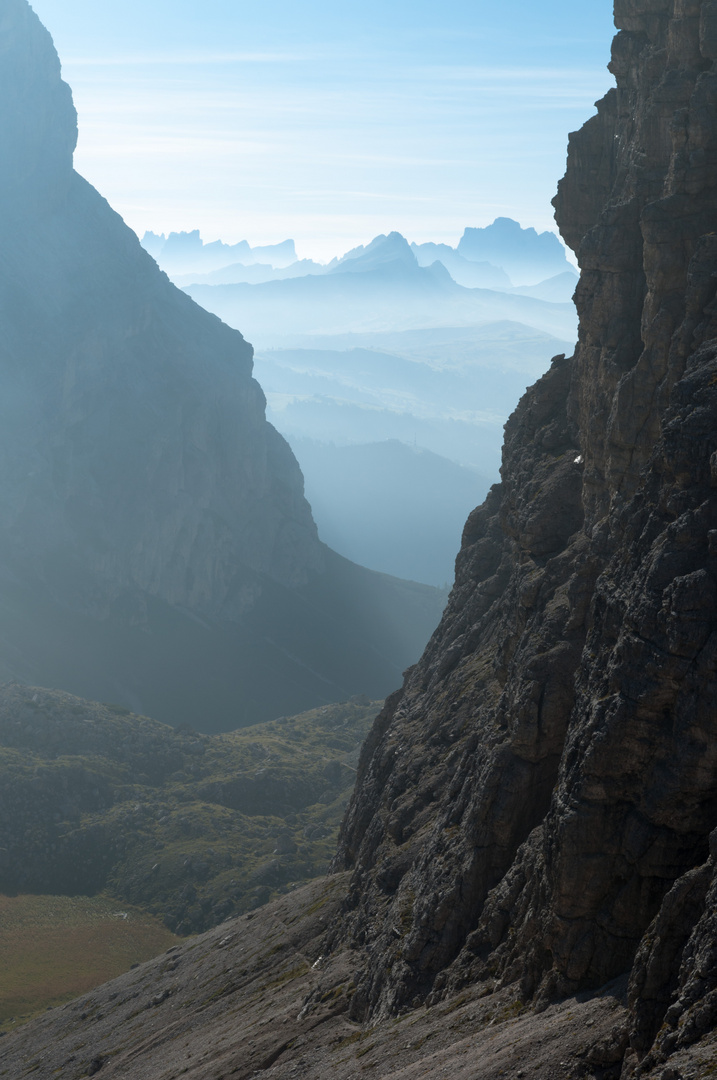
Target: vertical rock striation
<point x="544" y="785"/>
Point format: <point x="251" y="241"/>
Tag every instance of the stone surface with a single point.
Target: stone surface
<point x="258" y="997"/>
<point x="529" y="799"/>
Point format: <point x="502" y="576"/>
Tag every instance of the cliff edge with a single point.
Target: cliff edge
<point x="536" y="803"/>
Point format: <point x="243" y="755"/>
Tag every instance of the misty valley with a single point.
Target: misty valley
<point x="358" y="611"/>
<point x="391" y="371"/>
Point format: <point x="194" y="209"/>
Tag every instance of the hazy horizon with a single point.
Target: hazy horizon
<point x="328" y="126"/>
<point x="330" y="255"/>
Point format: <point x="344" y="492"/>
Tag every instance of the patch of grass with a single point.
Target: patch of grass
<point x="54" y="948"/>
<point x="515" y="1008"/>
<point x="457" y="1002"/>
<point x="318" y="904"/>
<point x="192" y="828"/>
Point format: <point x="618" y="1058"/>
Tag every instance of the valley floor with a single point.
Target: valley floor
<point x="256" y="997"/>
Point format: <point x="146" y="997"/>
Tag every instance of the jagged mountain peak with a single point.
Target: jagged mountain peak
<point x="186" y="251"/>
<point x="383" y="250"/>
<point x="526" y="255"/>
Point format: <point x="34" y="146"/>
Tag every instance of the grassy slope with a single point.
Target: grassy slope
<point x="53" y="948"/>
<point x="191" y="828"/>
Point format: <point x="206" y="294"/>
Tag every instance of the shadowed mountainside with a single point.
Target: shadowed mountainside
<point x="155" y="545"/>
<point x="537" y="801"/>
<point x="370" y="502"/>
<point x="190" y="827"/>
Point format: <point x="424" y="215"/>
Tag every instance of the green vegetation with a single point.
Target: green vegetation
<point x="191" y="828"/>
<point x="54" y="948"/>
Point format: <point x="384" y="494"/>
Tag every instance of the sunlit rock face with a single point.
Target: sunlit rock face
<point x="547" y="772"/>
<point x="140" y="480"/>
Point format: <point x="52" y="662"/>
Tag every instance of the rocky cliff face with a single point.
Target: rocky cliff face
<point x="155" y="544"/>
<point x="536" y="803"/>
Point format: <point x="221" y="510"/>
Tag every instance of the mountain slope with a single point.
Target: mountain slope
<point x="534" y="795"/>
<point x="155" y="544"/>
<point x="190" y="827"/>
<point x="390" y="506"/>
<point x="391" y="296"/>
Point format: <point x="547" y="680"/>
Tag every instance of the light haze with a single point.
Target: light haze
<point x="328" y="123"/>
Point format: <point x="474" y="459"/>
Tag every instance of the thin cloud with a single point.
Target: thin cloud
<point x="187" y="59"/>
<point x="522" y="74"/>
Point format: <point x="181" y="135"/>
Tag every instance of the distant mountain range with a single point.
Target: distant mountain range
<point x="449" y="390"/>
<point x="378" y="288"/>
<point x="412" y="420"/>
<point x="526" y="256"/>
<point x="472" y="274"/>
<point x="251" y="273"/>
<point x="388" y="359"/>
<point x="500" y="256"/>
<point x="183" y="252"/>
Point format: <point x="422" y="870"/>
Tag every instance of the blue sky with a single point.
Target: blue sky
<point x="329" y="122"/>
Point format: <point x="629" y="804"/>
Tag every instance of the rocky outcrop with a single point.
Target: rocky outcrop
<point x="155" y="544"/>
<point x="543" y="786"/>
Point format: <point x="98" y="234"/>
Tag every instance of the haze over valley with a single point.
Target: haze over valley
<point x="157" y="548"/>
<point x="391" y="370"/>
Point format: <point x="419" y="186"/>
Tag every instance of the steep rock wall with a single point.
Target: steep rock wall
<point x="547" y="773"/>
<point x="140" y="453"/>
<point x="155" y="544"/>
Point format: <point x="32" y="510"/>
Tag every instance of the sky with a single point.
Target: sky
<point x="329" y="122"/>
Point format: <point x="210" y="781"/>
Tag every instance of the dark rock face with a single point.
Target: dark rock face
<point x="544" y="785"/>
<point x="153" y="529"/>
